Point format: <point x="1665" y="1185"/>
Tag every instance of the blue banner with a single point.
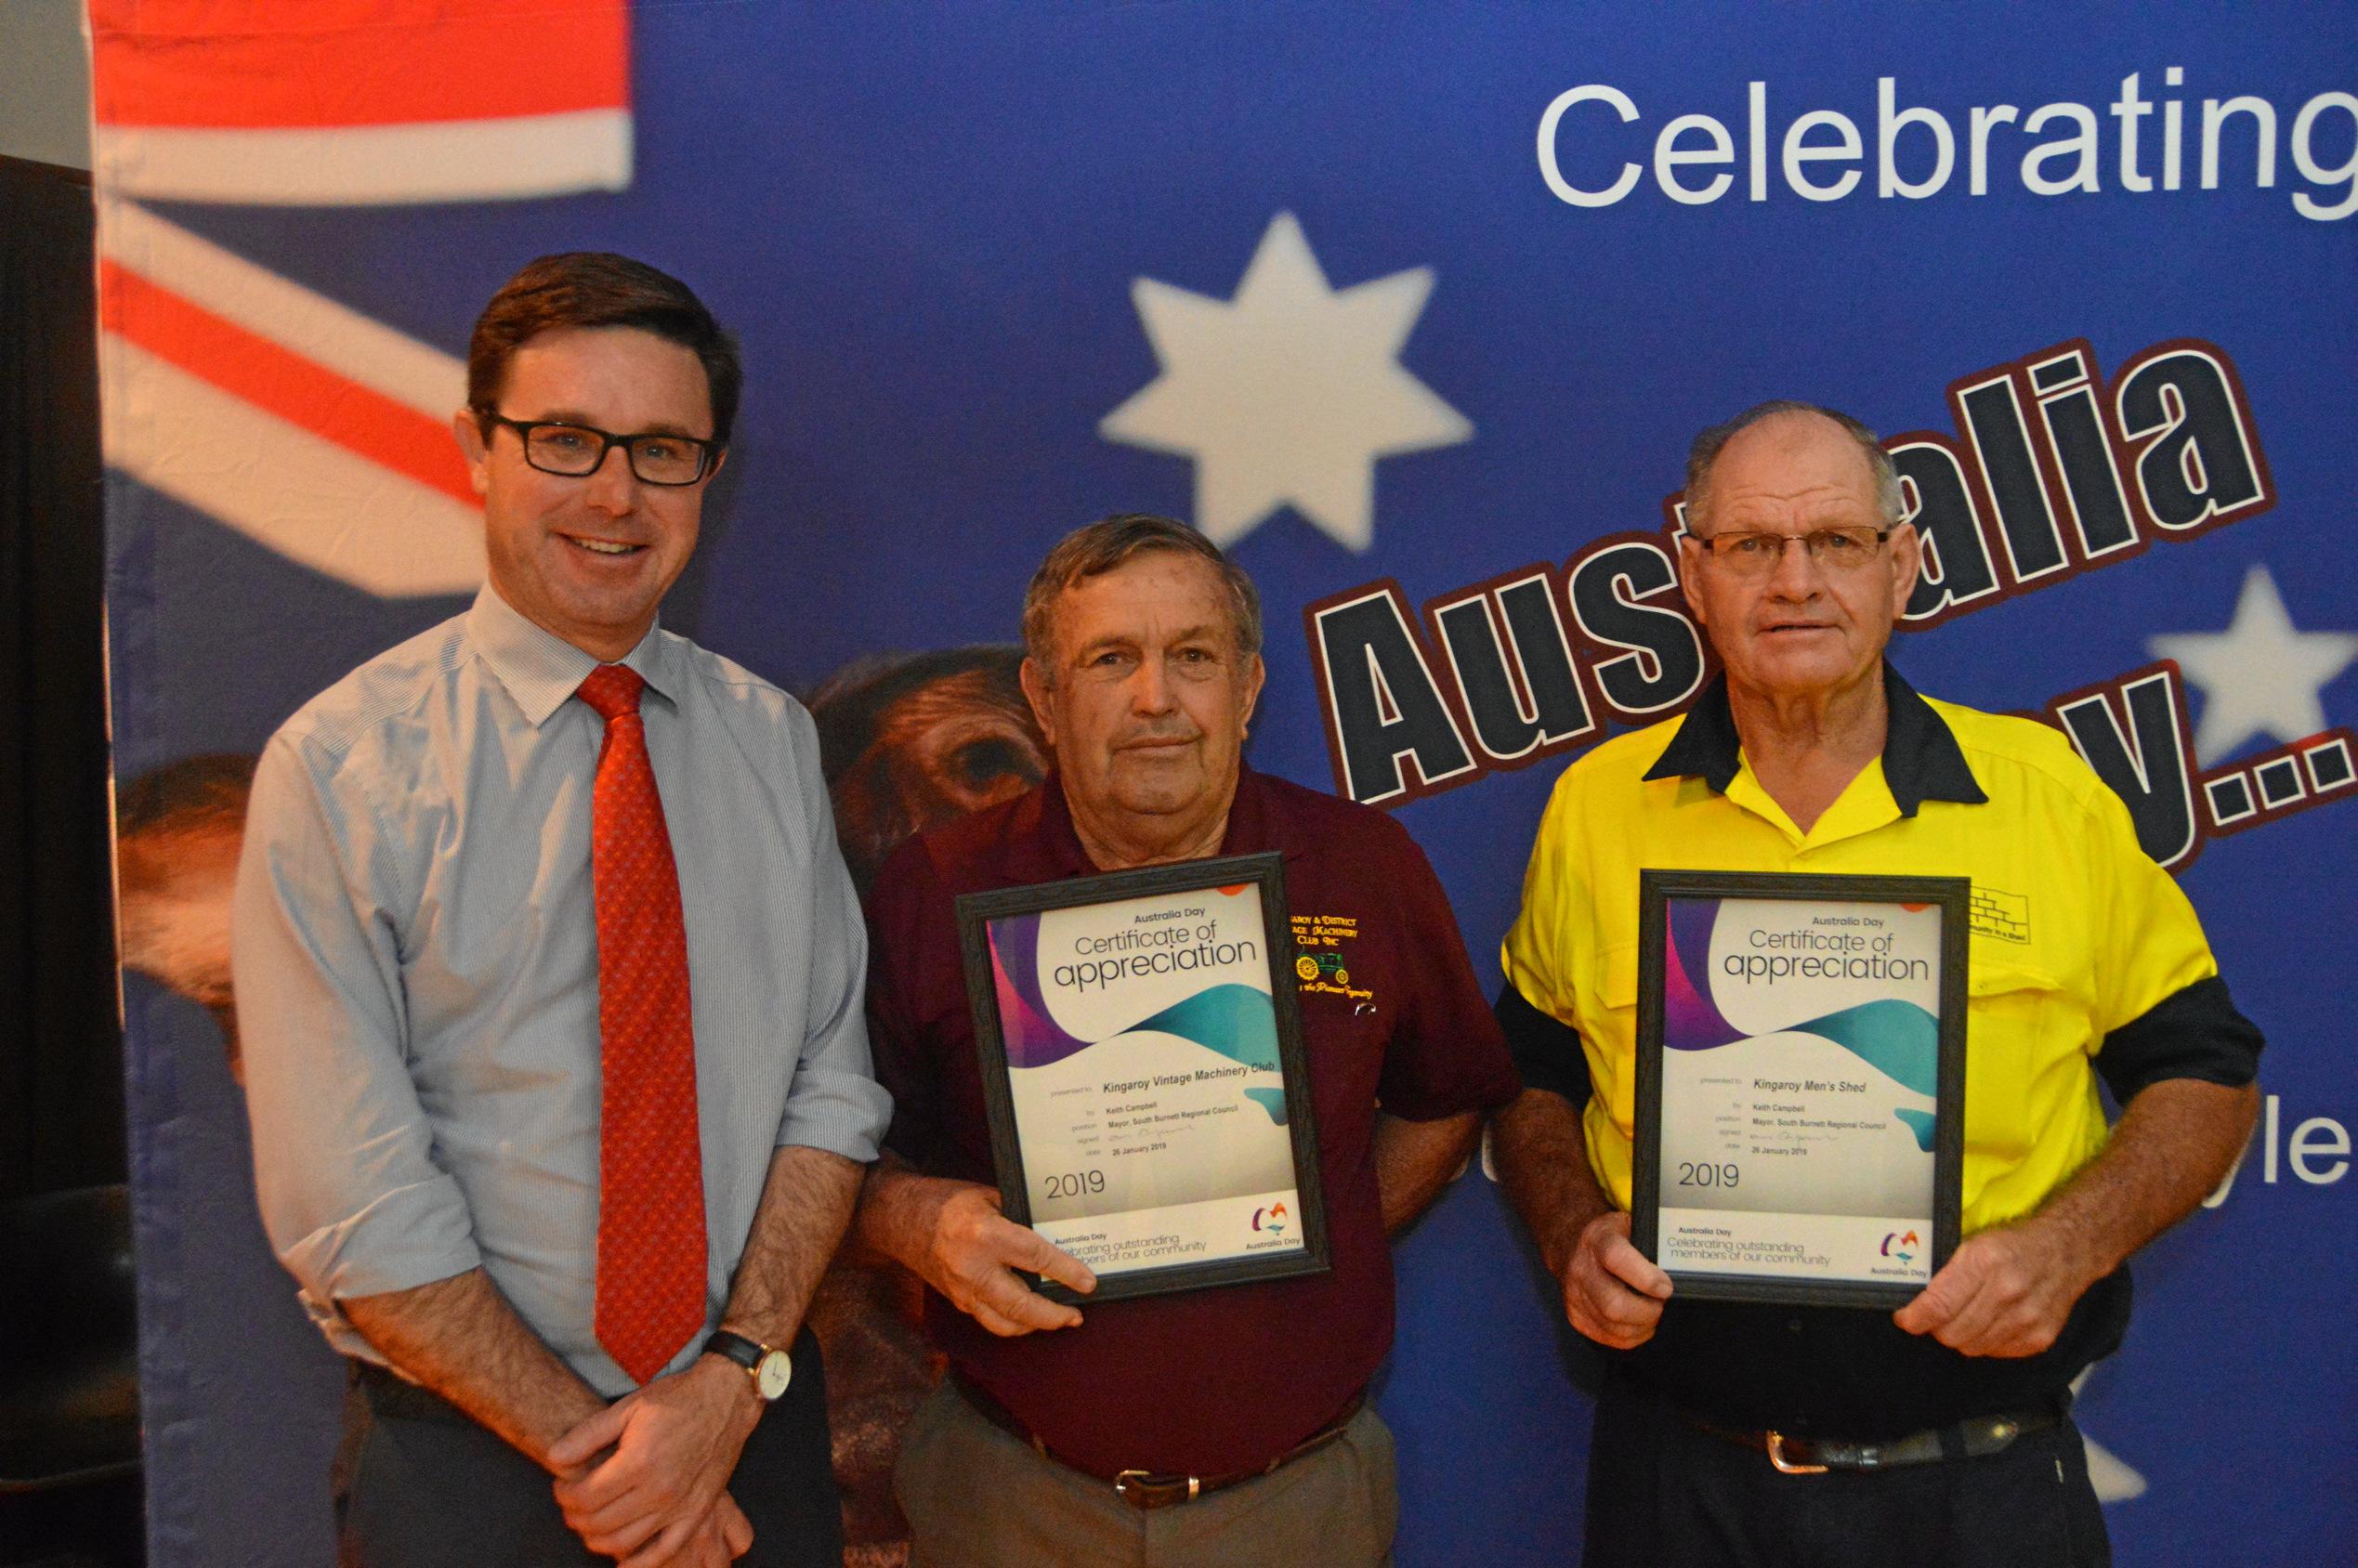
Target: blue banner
<point x="1416" y="308"/>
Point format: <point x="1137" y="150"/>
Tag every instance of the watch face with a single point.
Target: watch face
<point x="774" y="1373"/>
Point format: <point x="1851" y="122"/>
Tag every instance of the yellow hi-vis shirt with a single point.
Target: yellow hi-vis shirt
<point x="2076" y="931"/>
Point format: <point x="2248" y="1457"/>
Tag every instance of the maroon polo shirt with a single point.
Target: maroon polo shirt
<point x="1207" y="1382"/>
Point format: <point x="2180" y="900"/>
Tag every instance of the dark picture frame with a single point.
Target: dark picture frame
<point x="1656" y="890"/>
<point x="976" y="912"/>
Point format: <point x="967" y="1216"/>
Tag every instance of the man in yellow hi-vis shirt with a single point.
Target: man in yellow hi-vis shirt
<point x="1739" y="1433"/>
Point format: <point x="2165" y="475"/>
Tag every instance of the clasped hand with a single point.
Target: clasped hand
<point x="644" y="1480"/>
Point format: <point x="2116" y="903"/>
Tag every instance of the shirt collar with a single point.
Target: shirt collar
<point x="541" y="669"/>
<point x="1921" y="759"/>
<point x="1044" y="846"/>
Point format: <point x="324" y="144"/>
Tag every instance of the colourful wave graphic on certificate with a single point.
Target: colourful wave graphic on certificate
<point x="1236" y="1020"/>
<point x="1896" y="1037"/>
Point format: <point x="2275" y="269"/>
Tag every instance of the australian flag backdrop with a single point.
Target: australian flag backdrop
<point x="1413" y="306"/>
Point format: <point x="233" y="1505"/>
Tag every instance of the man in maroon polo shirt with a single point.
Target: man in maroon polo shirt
<point x="1233" y="1416"/>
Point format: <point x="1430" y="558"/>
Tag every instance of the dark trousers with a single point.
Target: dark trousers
<point x="420" y="1485"/>
<point x="1661" y="1492"/>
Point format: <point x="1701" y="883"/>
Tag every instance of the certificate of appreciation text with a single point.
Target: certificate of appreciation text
<point x="1145" y="1079"/>
<point x="1797" y="1104"/>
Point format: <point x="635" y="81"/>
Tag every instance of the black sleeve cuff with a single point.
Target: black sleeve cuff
<point x="2196" y="1033"/>
<point x="1546" y="1050"/>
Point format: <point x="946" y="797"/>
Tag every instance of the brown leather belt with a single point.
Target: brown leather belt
<point x="1969" y="1438"/>
<point x="1148" y="1489"/>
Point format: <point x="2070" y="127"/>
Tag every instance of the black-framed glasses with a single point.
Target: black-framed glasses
<point x="577" y="451"/>
<point x="1755" y="552"/>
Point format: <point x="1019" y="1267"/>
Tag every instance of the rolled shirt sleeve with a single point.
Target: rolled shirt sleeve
<point x="2161" y="1011"/>
<point x="350" y="1195"/>
<point x="835" y="1102"/>
<point x="1547" y="1053"/>
<point x="1539" y="1004"/>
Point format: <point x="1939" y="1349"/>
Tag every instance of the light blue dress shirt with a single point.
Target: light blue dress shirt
<point x="416" y="953"/>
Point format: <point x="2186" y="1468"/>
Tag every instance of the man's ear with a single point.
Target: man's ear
<point x="1035" y="686"/>
<point x="1907" y="561"/>
<point x="1255" y="678"/>
<point x="469" y="432"/>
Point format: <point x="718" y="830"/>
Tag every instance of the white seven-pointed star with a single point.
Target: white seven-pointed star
<point x="2259" y="676"/>
<point x="1285" y="394"/>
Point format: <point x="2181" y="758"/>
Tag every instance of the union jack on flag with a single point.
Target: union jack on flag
<point x="306" y="426"/>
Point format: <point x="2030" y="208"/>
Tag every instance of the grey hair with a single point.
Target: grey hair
<point x="1704" y="453"/>
<point x="1100" y="547"/>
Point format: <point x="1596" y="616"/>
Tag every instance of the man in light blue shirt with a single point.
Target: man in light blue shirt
<point x="416" y="956"/>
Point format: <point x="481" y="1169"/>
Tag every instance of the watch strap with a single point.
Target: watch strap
<point x="770" y="1369"/>
<point x="746" y="1353"/>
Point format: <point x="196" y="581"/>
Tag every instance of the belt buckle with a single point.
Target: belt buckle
<point x="1141" y="1490"/>
<point x="1784" y="1465"/>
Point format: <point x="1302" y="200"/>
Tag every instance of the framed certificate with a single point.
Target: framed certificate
<point x="1801" y="1072"/>
<point x="1143" y="1072"/>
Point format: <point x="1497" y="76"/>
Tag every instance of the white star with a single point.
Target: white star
<point x="1287" y="393"/>
<point x="2110" y="1476"/>
<point x="2259" y="676"/>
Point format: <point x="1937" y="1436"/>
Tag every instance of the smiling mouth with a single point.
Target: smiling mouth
<point x="603" y="546"/>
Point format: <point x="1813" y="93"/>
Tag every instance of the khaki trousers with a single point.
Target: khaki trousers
<point x="976" y="1498"/>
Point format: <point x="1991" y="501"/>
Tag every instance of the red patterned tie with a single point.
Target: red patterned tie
<point x="650" y="1212"/>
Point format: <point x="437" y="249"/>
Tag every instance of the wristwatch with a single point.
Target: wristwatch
<point x="770" y="1369"/>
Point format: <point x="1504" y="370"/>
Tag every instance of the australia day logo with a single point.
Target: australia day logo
<point x="1271" y="1220"/>
<point x="1896" y="1243"/>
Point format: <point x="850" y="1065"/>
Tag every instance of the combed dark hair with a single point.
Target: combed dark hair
<point x="600" y="289"/>
<point x="1099" y="547"/>
<point x="1704" y="453"/>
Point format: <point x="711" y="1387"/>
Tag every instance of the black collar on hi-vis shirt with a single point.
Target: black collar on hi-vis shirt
<point x="1921" y="760"/>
